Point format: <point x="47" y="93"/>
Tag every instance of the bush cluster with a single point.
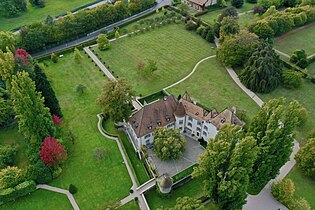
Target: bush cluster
<point x="20" y="190"/>
<point x="206" y="32"/>
<point x="38" y="35"/>
<point x="291" y="79"/>
<point x="7" y="155"/>
<point x="299" y="57"/>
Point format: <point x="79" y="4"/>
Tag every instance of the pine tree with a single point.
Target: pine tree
<point x="273" y="130"/>
<point x="226" y="165"/>
<point x="34" y="118"/>
<point x="262" y="72"/>
<point x="43" y="86"/>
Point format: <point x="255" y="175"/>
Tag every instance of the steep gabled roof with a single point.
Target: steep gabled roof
<point x="180" y="110"/>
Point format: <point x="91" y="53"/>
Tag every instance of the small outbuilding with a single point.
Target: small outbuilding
<point x="165" y="183"/>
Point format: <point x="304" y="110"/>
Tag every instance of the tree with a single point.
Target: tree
<point x="57" y="120"/>
<point x="7" y="40"/>
<point x="291" y="79"/>
<point x="147" y="69"/>
<point x="49" y="20"/>
<point x="187" y="203"/>
<point x="273" y="130"/>
<point x="6" y="111"/>
<point x="52" y="153"/>
<point x="263" y="31"/>
<point x="229" y="26"/>
<point x="7" y="65"/>
<point x="117" y="34"/>
<point x="73" y="189"/>
<point x="34" y="118"/>
<point x="235" y="50"/>
<point x="10" y="177"/>
<point x="228" y="12"/>
<point x="168" y="144"/>
<point x="237" y="3"/>
<point x="305" y="158"/>
<point x="77" y="56"/>
<point x="103" y="42"/>
<point x="183" y="9"/>
<point x="23" y="61"/>
<point x="116" y="99"/>
<point x="262" y="72"/>
<point x="43" y="85"/>
<point x="7" y="155"/>
<point x="283" y="190"/>
<point x="226" y="165"/>
<point x="43" y="173"/>
<point x="54" y="58"/>
<point x="80" y="89"/>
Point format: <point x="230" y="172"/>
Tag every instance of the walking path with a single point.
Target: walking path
<point x="191" y="73"/>
<point x="264" y="200"/>
<point x="137" y="191"/>
<point x="59" y="190"/>
<point x="282" y="53"/>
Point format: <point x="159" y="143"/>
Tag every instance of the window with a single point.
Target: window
<point x="205" y="128"/>
<point x="170" y="125"/>
<point x="189" y="124"/>
<point x="190" y="118"/>
<point x="180" y="128"/>
<point x="204" y="133"/>
<point x="199" y="123"/>
<point x="181" y="122"/>
<point x="198" y="129"/>
<point x="147" y="136"/>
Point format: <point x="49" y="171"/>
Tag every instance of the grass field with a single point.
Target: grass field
<point x="132" y="205"/>
<point x="11" y="136"/>
<point x="306" y="96"/>
<point x="34" y="14"/>
<point x="137" y="165"/>
<point x="213" y="87"/>
<point x="247" y="19"/>
<point x="301" y="38"/>
<point x="39" y="200"/>
<point x="304" y="186"/>
<point x="175" y="50"/>
<point x="210" y="17"/>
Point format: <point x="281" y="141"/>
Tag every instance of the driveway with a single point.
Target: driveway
<point x="190" y="157"/>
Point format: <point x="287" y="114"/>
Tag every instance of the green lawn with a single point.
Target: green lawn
<point x="175" y="50"/>
<point x="304" y="186"/>
<point x="306" y="96"/>
<point x="247" y="19"/>
<point x="302" y="38"/>
<point x="34" y="14"/>
<point x="194" y="188"/>
<point x="311" y="69"/>
<point x="212" y="86"/>
<point x="10" y="136"/>
<point x="136" y="164"/>
<point x="210" y="17"/>
<point x="39" y="200"/>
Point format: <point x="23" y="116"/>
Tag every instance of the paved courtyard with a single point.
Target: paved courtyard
<point x="192" y="151"/>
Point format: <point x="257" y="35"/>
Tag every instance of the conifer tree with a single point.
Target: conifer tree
<point x="43" y="86"/>
<point x="262" y="72"/>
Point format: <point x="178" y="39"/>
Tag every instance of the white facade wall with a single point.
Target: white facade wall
<point x="211" y="2"/>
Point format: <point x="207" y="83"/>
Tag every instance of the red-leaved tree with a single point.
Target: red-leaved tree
<point x="52" y="152"/>
<point x="57" y="120"/>
<point x="22" y="57"/>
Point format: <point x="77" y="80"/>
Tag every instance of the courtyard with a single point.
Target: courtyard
<point x="190" y="157"/>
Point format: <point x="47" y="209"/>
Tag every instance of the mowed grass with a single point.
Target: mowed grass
<point x="306" y="96"/>
<point x="304" y="186"/>
<point x="175" y="50"/>
<point x="35" y="14"/>
<point x="97" y="181"/>
<point x="247" y="19"/>
<point x="11" y="136"/>
<point x="212" y="16"/>
<point x="39" y="200"/>
<point x="132" y="205"/>
<point x="212" y="86"/>
<point x="301" y="38"/>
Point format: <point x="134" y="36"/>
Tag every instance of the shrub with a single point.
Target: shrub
<point x="80" y="89"/>
<point x="57" y="172"/>
<point x="263" y="30"/>
<point x="305" y="158"/>
<point x="291" y="79"/>
<point x="200" y="30"/>
<point x="54" y="58"/>
<point x="99" y="153"/>
<point x="73" y="189"/>
<point x="10" y="177"/>
<point x="237" y="3"/>
<point x="43" y="173"/>
<point x="52" y="153"/>
<point x="283" y="190"/>
<point x="20" y="190"/>
<point x="258" y="10"/>
<point x="190" y="25"/>
<point x="302" y="63"/>
<point x="7" y="155"/>
<point x="252" y="1"/>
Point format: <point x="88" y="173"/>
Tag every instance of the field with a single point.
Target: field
<point x="301" y="38"/>
<point x="247" y="19"/>
<point x="210" y="17"/>
<point x="175" y="50"/>
<point x="40" y="199"/>
<point x="34" y="14"/>
<point x="213" y="87"/>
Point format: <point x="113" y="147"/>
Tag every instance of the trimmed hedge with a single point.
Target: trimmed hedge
<point x="20" y="190"/>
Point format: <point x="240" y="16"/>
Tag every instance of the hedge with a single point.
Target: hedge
<point x="20" y="190"/>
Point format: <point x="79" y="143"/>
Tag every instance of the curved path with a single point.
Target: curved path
<point x="59" y="190"/>
<point x="191" y="73"/>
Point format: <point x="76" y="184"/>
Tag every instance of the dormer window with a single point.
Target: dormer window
<point x="223" y="120"/>
<point x="150" y="127"/>
<point x="197" y="113"/>
<point x="167" y="118"/>
<point x="159" y="122"/>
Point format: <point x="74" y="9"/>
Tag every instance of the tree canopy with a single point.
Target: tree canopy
<point x="187" y="203"/>
<point x="305" y="158"/>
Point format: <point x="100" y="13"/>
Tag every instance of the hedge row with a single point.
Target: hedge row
<point x="20" y="190"/>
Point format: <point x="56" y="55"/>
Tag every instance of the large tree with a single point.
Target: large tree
<point x="235" y="50"/>
<point x="273" y="130"/>
<point x="168" y="144"/>
<point x="116" y="99"/>
<point x="7" y="65"/>
<point x="187" y="203"/>
<point x="263" y="70"/>
<point x="43" y="86"/>
<point x="229" y="26"/>
<point x="305" y="158"/>
<point x="34" y="118"/>
<point x="226" y="165"/>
